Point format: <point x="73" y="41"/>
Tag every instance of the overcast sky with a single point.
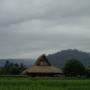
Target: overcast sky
<point x="29" y="28"/>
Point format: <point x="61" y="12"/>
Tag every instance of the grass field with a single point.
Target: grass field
<point x="27" y="83"/>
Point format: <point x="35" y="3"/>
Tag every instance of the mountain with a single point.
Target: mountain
<point x="26" y="62"/>
<point x="58" y="59"/>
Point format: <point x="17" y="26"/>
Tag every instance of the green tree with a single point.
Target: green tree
<point x="74" y="67"/>
<point x="11" y="68"/>
<point x="22" y="67"/>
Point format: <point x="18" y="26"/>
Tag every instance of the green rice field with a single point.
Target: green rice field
<point x="27" y="83"/>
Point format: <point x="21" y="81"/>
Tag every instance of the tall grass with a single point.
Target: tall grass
<point x="23" y="83"/>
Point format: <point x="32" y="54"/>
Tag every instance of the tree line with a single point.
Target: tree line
<point x="72" y="67"/>
<point x="12" y="68"/>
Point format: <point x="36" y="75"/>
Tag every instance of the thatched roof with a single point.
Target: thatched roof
<point x="42" y="69"/>
<point x="42" y="65"/>
<point x="42" y="61"/>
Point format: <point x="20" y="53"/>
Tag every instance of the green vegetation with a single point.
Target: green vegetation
<point x="74" y="67"/>
<point x="27" y="83"/>
<point x="11" y="68"/>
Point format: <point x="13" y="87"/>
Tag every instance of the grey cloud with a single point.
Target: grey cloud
<point x="29" y="28"/>
<point x="13" y="12"/>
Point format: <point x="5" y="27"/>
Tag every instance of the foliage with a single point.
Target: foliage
<point x="22" y="83"/>
<point x="12" y="69"/>
<point x="74" y="67"/>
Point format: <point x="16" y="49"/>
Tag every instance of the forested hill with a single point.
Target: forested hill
<point x="58" y="59"/>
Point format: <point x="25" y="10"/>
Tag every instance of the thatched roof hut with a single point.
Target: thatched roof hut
<point x="42" y="67"/>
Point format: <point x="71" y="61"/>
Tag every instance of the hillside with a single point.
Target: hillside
<point x="58" y="59"/>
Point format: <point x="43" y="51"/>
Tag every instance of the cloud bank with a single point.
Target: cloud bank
<point x="29" y="28"/>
